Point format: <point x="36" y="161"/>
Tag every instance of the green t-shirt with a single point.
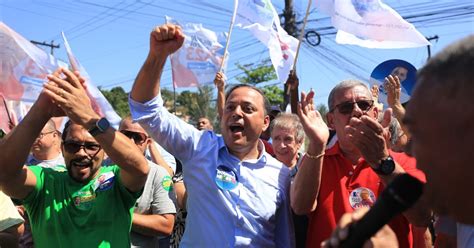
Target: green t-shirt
<point x="65" y="213"/>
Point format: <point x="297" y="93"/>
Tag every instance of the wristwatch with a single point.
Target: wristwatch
<point x="386" y="166"/>
<point x="100" y="126"/>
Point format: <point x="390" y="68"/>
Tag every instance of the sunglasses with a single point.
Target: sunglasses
<point x="137" y="137"/>
<point x="90" y="148"/>
<point x="348" y="107"/>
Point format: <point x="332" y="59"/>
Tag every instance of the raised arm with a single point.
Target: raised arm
<point x="393" y="88"/>
<point x="293" y="82"/>
<point x="164" y="40"/>
<point x="305" y="188"/>
<point x="71" y="96"/>
<point x="158" y="159"/>
<point x="219" y="81"/>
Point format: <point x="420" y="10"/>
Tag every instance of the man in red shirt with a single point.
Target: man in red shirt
<point x="355" y="170"/>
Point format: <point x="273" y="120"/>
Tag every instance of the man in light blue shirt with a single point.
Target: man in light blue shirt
<point x="238" y="195"/>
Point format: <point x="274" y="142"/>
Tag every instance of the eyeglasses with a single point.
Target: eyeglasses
<point x="137" y="137"/>
<point x="347" y="107"/>
<point x="90" y="148"/>
<point x="41" y="135"/>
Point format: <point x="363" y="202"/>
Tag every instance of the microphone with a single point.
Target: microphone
<point x="398" y="196"/>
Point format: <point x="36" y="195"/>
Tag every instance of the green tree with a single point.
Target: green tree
<point x="255" y="74"/>
<point x="197" y="104"/>
<point x="118" y="98"/>
<point x="274" y="94"/>
<point x="168" y="98"/>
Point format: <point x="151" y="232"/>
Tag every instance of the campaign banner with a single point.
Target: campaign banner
<point x="23" y="72"/>
<point x="23" y="68"/>
<point x="199" y="59"/>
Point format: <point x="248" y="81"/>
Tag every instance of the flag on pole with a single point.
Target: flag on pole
<point x="23" y="70"/>
<point x="199" y="59"/>
<point x="23" y="67"/>
<point x="262" y="20"/>
<point x="99" y="103"/>
<point x="371" y="24"/>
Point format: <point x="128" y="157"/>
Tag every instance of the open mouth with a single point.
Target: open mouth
<point x="82" y="164"/>
<point x="236" y="128"/>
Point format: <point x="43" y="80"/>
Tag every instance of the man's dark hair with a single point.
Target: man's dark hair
<point x="66" y="130"/>
<point x="265" y="100"/>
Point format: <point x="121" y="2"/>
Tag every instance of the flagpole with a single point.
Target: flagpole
<point x="302" y="33"/>
<point x="236" y="3"/>
<point x="6" y="109"/>
<point x="174" y="98"/>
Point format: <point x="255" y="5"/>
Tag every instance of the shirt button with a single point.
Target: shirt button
<point x="350" y="173"/>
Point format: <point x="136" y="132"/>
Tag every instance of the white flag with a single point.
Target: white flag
<point x="371" y="24"/>
<point x="98" y="101"/>
<point x="262" y="20"/>
<point x="23" y="70"/>
<point x="198" y="60"/>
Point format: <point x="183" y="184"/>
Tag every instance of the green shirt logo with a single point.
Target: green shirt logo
<point x="167" y="183"/>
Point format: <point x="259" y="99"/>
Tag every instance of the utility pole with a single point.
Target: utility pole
<point x="290" y="19"/>
<point x="51" y="45"/>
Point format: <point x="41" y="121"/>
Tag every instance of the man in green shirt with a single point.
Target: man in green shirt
<point x="85" y="205"/>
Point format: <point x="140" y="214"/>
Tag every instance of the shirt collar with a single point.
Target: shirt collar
<point x="262" y="158"/>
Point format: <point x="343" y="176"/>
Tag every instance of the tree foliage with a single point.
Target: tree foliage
<point x="197" y="104"/>
<point x="118" y="98"/>
<point x="274" y="94"/>
<point x="255" y="74"/>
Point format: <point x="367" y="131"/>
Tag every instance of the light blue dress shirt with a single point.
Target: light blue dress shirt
<point x="254" y="213"/>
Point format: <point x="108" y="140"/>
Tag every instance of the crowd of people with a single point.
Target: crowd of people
<point x="269" y="179"/>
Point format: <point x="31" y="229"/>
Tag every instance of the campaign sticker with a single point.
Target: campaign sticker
<point x="83" y="200"/>
<point x="105" y="181"/>
<point x="167" y="183"/>
<point x="361" y="197"/>
<point x="226" y="178"/>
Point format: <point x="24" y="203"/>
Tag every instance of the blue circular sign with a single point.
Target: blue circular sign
<point x="226" y="178"/>
<point x="405" y="71"/>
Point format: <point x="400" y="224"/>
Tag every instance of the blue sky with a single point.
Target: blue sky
<point x="110" y="38"/>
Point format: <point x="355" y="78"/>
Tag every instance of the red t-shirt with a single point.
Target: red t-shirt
<point x="344" y="188"/>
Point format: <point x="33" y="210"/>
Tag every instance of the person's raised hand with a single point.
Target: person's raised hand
<point x="48" y="104"/>
<point x="165" y="40"/>
<point x="369" y="136"/>
<point x="393" y="88"/>
<point x="293" y="80"/>
<point x="219" y="80"/>
<point x="69" y="94"/>
<point x="312" y="121"/>
<point x="385" y="237"/>
<point x="374" y="90"/>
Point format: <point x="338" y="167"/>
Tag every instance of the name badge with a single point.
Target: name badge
<point x="362" y="197"/>
<point x="226" y="178"/>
